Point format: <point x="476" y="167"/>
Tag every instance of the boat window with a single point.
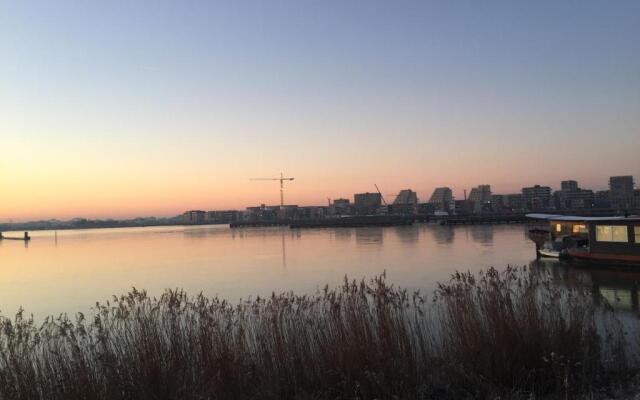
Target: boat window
<point x="558" y="227"/>
<point x="579" y="228"/>
<point x="612" y="233"/>
<point x="636" y="231"/>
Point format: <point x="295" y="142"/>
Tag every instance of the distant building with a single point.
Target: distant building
<point x="515" y="201"/>
<point x="442" y="199"/>
<point x="312" y="212"/>
<point x="601" y="199"/>
<point x="261" y="213"/>
<point x="636" y="199"/>
<point x="537" y="197"/>
<point x="621" y="191"/>
<point x="581" y="198"/>
<point x="428" y="208"/>
<point x="340" y="207"/>
<point x="463" y="207"/>
<point x="288" y="211"/>
<point x="569" y="185"/>
<point x="222" y="217"/>
<point x="367" y="199"/>
<point x="571" y="197"/>
<point x="367" y="203"/>
<point x="341" y="203"/>
<point x="499" y="203"/>
<point x="406" y="197"/>
<point x="194" y="217"/>
<point x="481" y="198"/>
<point x="405" y="203"/>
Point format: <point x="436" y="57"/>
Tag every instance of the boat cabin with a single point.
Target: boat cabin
<point x="605" y="239"/>
<point x="619" y="237"/>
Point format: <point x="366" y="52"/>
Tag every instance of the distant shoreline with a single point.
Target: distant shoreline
<point x="20" y="228"/>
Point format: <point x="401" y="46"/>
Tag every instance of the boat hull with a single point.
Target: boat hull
<point x="549" y="253"/>
<point x="603" y="258"/>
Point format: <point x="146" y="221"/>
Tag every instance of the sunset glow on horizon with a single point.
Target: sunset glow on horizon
<point x="123" y="110"/>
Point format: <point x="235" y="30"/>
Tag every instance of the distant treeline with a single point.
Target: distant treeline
<point x="82" y="223"/>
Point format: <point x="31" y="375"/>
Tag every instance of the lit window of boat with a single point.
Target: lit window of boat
<point x="580" y="228"/>
<point x="612" y="233"/>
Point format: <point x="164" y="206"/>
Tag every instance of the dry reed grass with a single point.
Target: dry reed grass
<point x="510" y="334"/>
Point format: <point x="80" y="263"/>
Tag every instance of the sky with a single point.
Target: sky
<point x="137" y="108"/>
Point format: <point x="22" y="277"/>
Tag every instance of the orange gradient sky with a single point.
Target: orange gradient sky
<point x="108" y="110"/>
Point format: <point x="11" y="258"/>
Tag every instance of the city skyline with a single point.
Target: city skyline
<point x="121" y="110"/>
<point x="388" y="198"/>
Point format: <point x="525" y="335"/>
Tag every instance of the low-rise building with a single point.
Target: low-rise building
<point x="442" y="198"/>
<point x="463" y="207"/>
<point x="514" y="202"/>
<point x="569" y="185"/>
<point x="194" y="217"/>
<point x="341" y="207"/>
<point x="621" y="192"/>
<point x="312" y="212"/>
<point x="428" y="208"/>
<point x="367" y="203"/>
<point x="571" y="197"/>
<point x="288" y="211"/>
<point x="223" y="217"/>
<point x="261" y="213"/>
<point x="537" y="197"/>
<point x="499" y="203"/>
<point x="405" y="203"/>
<point x="601" y="199"/>
<point x="480" y="197"/>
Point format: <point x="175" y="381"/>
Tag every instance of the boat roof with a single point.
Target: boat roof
<point x="575" y="218"/>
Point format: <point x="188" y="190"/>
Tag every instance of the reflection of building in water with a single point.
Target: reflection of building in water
<point x="369" y="236"/>
<point x="342" y="234"/>
<point x="407" y="234"/>
<point x="443" y="234"/>
<point x="482" y="234"/>
<point x="618" y="288"/>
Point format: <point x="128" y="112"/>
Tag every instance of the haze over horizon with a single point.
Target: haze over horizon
<point x="115" y="109"/>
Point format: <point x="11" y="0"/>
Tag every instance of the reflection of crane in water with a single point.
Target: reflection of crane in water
<point x="284" y="253"/>
<point x="281" y="179"/>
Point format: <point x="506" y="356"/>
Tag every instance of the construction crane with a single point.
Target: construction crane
<point x="281" y="179"/>
<point x="381" y="196"/>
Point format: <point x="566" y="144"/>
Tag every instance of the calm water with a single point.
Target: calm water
<point x="72" y="271"/>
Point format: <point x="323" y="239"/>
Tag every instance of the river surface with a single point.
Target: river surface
<point x="69" y="271"/>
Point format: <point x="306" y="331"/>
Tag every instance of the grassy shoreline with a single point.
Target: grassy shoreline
<point x="508" y="334"/>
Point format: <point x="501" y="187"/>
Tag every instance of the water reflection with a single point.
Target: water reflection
<point x="618" y="287"/>
<point x="407" y="234"/>
<point x="482" y="234"/>
<point x="443" y="234"/>
<point x="82" y="267"/>
<point x="369" y="236"/>
<point x="342" y="234"/>
<point x="284" y="252"/>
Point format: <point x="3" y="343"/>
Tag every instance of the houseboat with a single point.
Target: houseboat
<point x="592" y="239"/>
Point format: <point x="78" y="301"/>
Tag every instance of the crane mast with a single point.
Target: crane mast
<point x="282" y="178"/>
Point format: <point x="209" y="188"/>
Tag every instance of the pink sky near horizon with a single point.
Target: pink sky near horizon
<point x="175" y="165"/>
<point x="127" y="198"/>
